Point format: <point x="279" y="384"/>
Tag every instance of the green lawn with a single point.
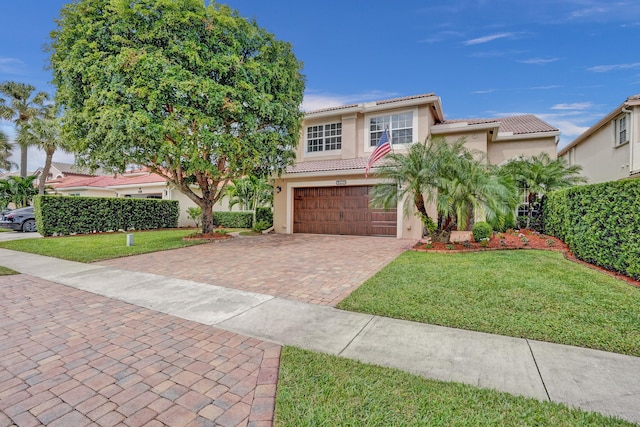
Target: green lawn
<point x="96" y="247"/>
<point x="531" y="294"/>
<point x="4" y="271"/>
<point x="321" y="390"/>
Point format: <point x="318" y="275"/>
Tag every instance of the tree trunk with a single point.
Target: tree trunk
<point x="24" y="151"/>
<point x="45" y="172"/>
<point x="207" y="217"/>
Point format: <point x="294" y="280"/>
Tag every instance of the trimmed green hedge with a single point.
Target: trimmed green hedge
<point x="600" y="223"/>
<point x="60" y="215"/>
<point x="242" y="219"/>
<point x="232" y="219"/>
<point x="264" y="215"/>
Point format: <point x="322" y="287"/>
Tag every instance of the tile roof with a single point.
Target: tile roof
<point x="517" y="125"/>
<point x="382" y="102"/>
<point x="329" y="165"/>
<point x="105" y="181"/>
<point x="68" y="168"/>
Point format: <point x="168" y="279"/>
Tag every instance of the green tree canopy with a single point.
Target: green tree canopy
<point x="195" y="93"/>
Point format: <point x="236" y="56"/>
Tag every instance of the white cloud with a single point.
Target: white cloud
<point x="10" y="65"/>
<point x="441" y="36"/>
<point x="582" y="13"/>
<point x="488" y="38"/>
<point x="318" y="101"/>
<point x="573" y="106"/>
<point x="548" y="87"/>
<point x="481" y="92"/>
<point x="612" y="67"/>
<point x="538" y="61"/>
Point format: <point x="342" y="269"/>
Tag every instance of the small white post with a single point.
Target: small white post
<point x="129" y="239"/>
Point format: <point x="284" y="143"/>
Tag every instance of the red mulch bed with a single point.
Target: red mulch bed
<point x="215" y="236"/>
<point x="518" y="239"/>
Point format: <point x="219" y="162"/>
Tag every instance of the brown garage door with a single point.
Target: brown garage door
<point x="340" y="210"/>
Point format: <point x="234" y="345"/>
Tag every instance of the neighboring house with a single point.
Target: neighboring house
<point x="326" y="191"/>
<point x="610" y="149"/>
<point x="61" y="170"/>
<point x="135" y="184"/>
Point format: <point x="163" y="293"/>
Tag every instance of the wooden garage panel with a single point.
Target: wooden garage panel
<point x="340" y="210"/>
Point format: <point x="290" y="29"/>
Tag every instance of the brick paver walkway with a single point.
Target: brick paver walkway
<point x="316" y="269"/>
<point x="72" y="358"/>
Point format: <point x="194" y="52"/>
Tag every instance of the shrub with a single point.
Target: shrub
<point x="195" y="213"/>
<point x="233" y="219"/>
<point x="66" y="215"/>
<point x="260" y="226"/>
<point x="481" y="230"/>
<point x="600" y="223"/>
<point x="265" y="215"/>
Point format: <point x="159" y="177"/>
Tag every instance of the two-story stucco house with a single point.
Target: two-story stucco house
<point x="610" y="149"/>
<point x="326" y="191"/>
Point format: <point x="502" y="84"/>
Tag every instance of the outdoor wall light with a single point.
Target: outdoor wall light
<point x="278" y="189"/>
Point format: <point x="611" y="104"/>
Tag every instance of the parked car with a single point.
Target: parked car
<point x="22" y="219"/>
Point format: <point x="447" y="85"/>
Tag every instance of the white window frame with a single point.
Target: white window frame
<point x="368" y="148"/>
<point x="620" y="128"/>
<point x="326" y="139"/>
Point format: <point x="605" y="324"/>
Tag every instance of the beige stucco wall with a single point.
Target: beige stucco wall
<point x="600" y="158"/>
<point x="503" y="150"/>
<point x="409" y="227"/>
<point x="355" y="131"/>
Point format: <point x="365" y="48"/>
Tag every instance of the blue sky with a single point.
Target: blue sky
<point x="570" y="62"/>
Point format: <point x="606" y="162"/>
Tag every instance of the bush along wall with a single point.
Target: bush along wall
<point x="600" y="223"/>
<point x="59" y="215"/>
<point x="232" y="219"/>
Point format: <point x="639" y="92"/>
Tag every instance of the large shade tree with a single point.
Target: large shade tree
<point x="21" y="106"/>
<point x="193" y="92"/>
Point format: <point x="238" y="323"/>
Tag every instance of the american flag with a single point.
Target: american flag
<point x="382" y="149"/>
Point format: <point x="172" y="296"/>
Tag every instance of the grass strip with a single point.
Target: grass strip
<point x="530" y="294"/>
<point x="322" y="390"/>
<point x="97" y="247"/>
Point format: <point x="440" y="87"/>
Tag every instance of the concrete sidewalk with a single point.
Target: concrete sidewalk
<point x="593" y="380"/>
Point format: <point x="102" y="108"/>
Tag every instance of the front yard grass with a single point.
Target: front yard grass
<point x="530" y="294"/>
<point x="4" y="271"/>
<point x="97" y="247"/>
<point x="321" y="390"/>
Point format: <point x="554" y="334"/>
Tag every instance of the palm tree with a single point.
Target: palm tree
<point x="24" y="107"/>
<point x="449" y="174"/>
<point x="43" y="132"/>
<point x="5" y="152"/>
<point x="18" y="190"/>
<point x="250" y="192"/>
<point x="538" y="175"/>
<point x="473" y="186"/>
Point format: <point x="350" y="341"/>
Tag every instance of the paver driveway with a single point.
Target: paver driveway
<point x="316" y="269"/>
<point x="73" y="358"/>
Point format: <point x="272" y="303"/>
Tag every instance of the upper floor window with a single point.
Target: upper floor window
<point x="324" y="137"/>
<point x="400" y="128"/>
<point x="621" y="130"/>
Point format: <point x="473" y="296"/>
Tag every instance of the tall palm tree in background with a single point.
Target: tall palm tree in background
<point x="5" y="152"/>
<point x="44" y="133"/>
<point x="23" y="106"/>
<point x="538" y="175"/>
